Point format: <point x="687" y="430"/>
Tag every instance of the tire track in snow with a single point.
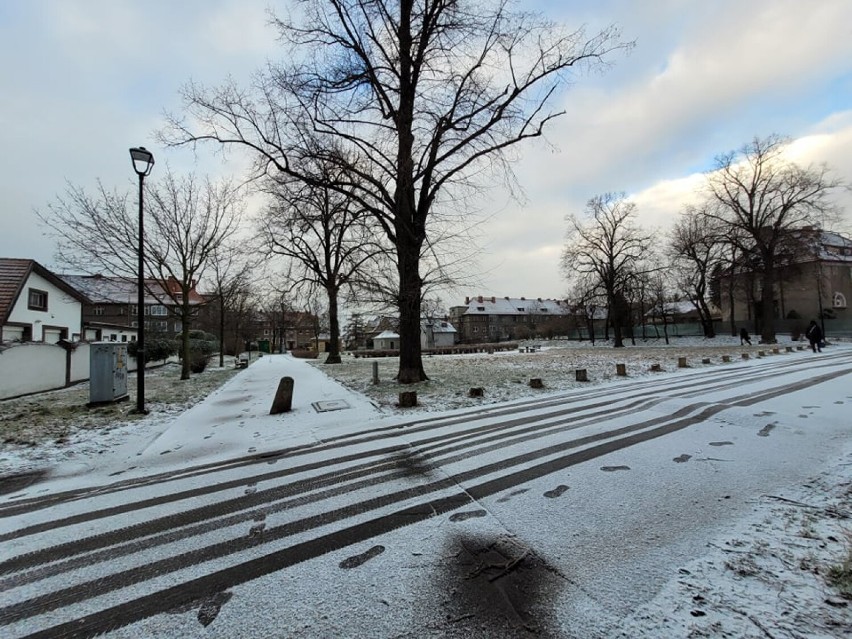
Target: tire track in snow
<point x="353" y="534"/>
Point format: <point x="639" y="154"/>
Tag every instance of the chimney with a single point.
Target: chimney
<point x="479" y="299"/>
<point x="523" y="299"/>
<point x="493" y="300"/>
<point x="466" y="301"/>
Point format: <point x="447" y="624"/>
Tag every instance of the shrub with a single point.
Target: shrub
<point x="157" y="349"/>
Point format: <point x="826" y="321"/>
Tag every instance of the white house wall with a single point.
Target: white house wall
<point x="31" y="367"/>
<point x="62" y="310"/>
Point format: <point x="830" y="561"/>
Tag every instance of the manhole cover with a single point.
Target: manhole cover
<point x="332" y="404"/>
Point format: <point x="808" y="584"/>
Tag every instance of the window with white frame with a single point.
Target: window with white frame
<point x="839" y="300"/>
<point x="158" y="310"/>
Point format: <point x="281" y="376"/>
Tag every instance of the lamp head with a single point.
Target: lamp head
<point x="143" y="160"/>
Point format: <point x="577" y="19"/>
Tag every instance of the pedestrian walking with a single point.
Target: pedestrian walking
<point x="744" y="338"/>
<point x="814" y="335"/>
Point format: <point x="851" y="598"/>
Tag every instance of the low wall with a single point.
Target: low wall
<point x="37" y="367"/>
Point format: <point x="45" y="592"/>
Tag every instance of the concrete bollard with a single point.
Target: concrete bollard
<point x="775" y="351"/>
<point x="656" y="368"/>
<point x="408" y="399"/>
<point x="581" y="375"/>
<point x="621" y="370"/>
<point x="681" y="362"/>
<point x="536" y="382"/>
<point x="761" y="353"/>
<point x="745" y="355"/>
<point x="375" y="373"/>
<point x="726" y="358"/>
<point x="789" y="349"/>
<point x="706" y="360"/>
<point x="283" y="401"/>
<point x="476" y="392"/>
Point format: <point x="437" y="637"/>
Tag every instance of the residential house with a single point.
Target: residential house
<point x="815" y="281"/>
<point x="36" y="305"/>
<point x="386" y="341"/>
<point x="110" y="311"/>
<point x="496" y="319"/>
<point x="436" y="333"/>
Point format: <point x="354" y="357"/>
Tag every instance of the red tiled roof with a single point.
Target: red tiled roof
<point x="13" y="274"/>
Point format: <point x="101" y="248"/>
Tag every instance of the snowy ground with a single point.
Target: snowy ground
<point x="764" y="577"/>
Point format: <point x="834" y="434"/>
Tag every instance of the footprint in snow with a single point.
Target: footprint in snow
<point x="357" y="560"/>
<point x="252" y="449"/>
<point x="680" y="459"/>
<point x="512" y="494"/>
<point x="764" y="432"/>
<point x="556" y="492"/>
<point x="257" y="530"/>
<point x="252" y="488"/>
<point x="610" y="469"/>
<point x="468" y="515"/>
<point x="721" y="443"/>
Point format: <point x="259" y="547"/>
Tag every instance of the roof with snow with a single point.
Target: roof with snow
<point x="514" y="306"/>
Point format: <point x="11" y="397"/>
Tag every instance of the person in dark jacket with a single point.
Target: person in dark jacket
<point x="814" y="335"/>
<point x="744" y="338"/>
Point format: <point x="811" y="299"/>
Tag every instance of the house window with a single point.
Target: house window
<point x="124" y="338"/>
<point x="98" y="310"/>
<point x="37" y="300"/>
<point x="839" y="300"/>
<point x="178" y="327"/>
<point x="160" y="325"/>
<point x="158" y="310"/>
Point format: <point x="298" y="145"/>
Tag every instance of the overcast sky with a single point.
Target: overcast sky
<point x="81" y="81"/>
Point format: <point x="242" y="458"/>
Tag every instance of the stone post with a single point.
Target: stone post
<point x="283" y="401"/>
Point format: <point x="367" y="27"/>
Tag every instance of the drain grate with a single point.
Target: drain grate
<point x="330" y="405"/>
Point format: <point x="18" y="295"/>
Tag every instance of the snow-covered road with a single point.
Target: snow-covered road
<point x="560" y="517"/>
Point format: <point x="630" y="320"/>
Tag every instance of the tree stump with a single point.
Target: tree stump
<point x="681" y="362"/>
<point x="283" y="401"/>
<point x="726" y="358"/>
<point x="581" y="375"/>
<point x="775" y="351"/>
<point x="408" y="399"/>
<point x="476" y="392"/>
<point x="656" y="368"/>
<point x="800" y="348"/>
<point x="745" y="355"/>
<point x="536" y="382"/>
<point x="621" y="370"/>
<point x="706" y="360"/>
<point x="789" y="349"/>
<point x="761" y="353"/>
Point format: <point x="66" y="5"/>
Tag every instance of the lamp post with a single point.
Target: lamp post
<point x="143" y="162"/>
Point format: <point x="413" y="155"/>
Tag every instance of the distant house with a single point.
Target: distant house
<point x="435" y="333"/>
<point x="495" y="319"/>
<point x="110" y="311"/>
<point x="36" y="305"/>
<point x="386" y="341"/>
<point x="680" y="311"/>
<point x="815" y="281"/>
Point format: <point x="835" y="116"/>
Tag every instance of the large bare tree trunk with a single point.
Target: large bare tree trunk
<point x="334" y="328"/>
<point x="410" y="356"/>
<point x="767" y="306"/>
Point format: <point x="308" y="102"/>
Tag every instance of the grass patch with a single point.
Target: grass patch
<point x="840" y="575"/>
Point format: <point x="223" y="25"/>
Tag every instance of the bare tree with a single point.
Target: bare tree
<point x="323" y="232"/>
<point x="696" y="247"/>
<point x="229" y="276"/>
<point x="424" y="96"/>
<point x="609" y="248"/>
<point x="763" y="197"/>
<point x="186" y="220"/>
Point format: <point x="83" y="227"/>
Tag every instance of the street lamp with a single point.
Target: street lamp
<point x="143" y="162"/>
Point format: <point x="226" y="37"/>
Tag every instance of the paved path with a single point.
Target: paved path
<point x="555" y="517"/>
